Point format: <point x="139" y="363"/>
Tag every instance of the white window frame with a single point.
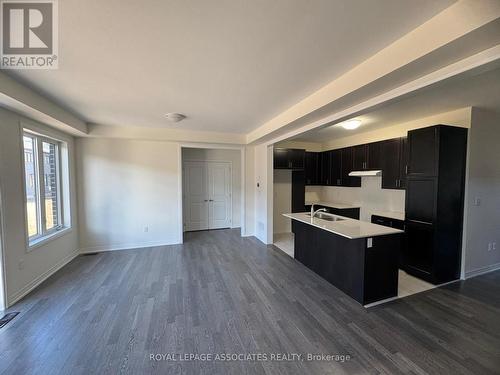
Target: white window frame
<point x="39" y="185"/>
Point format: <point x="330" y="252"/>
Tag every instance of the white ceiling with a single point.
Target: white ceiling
<point x="229" y="65"/>
<point x="478" y="88"/>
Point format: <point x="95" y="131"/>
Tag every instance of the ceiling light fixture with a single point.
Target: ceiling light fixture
<point x="175" y="117"/>
<point x="351" y="124"/>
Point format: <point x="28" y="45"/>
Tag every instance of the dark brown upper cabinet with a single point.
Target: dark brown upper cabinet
<point x="336" y="167"/>
<point x="280" y="158"/>
<point x="287" y="158"/>
<point x="325" y="161"/>
<point x="403" y="162"/>
<point x="423" y="152"/>
<point x="347" y="167"/>
<point x="393" y="163"/>
<point x="359" y="158"/>
<point x="332" y="168"/>
<point x="366" y="157"/>
<point x="312" y="168"/>
<point x="374" y="156"/>
<point x="330" y="165"/>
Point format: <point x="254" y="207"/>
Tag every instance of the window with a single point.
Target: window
<point x="42" y="186"/>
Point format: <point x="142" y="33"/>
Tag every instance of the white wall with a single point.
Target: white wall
<point x="301" y="145"/>
<point x="124" y="187"/>
<point x="482" y="222"/>
<point x="23" y="269"/>
<point x="370" y="196"/>
<point x="264" y="193"/>
<point x="233" y="156"/>
<point x="282" y="202"/>
<point x="250" y="191"/>
<point x="2" y="275"/>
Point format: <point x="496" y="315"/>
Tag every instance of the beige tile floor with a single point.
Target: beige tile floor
<point x="407" y="284"/>
<point x="285" y="242"/>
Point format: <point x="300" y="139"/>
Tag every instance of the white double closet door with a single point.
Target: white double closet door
<point x="207" y="195"/>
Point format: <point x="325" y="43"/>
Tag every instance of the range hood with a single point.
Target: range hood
<point x="365" y="173"/>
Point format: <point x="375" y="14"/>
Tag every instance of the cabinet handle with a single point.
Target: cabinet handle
<point x="406" y="169"/>
<point x="419" y="222"/>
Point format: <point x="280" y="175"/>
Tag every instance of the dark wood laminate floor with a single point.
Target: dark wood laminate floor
<point x="219" y="293"/>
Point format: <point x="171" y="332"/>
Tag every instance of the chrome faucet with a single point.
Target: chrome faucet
<point x="313" y="213"/>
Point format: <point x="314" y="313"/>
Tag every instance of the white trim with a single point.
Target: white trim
<point x="64" y="212"/>
<point x="242" y="191"/>
<point x="3" y="280"/>
<point x="126" y="246"/>
<point x="32" y="245"/>
<point x="383" y="301"/>
<point x="482" y="270"/>
<point x="180" y="203"/>
<point x="215" y="146"/>
<point x="11" y="300"/>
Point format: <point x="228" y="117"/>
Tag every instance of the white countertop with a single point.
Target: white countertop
<point x="390" y="214"/>
<point x="337" y="205"/>
<point x="349" y="228"/>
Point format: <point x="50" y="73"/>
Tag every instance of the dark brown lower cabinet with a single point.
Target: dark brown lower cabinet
<point x="419" y="238"/>
<point x="352" y="213"/>
<point x="367" y="274"/>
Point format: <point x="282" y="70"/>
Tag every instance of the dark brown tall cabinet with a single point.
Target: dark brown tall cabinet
<point x="312" y="168"/>
<point x="434" y="202"/>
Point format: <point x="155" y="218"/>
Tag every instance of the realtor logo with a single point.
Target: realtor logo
<point x="29" y="34"/>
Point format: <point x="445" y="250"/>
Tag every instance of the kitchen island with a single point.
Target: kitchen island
<point x="357" y="257"/>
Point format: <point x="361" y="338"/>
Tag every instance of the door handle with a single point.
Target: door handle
<point x="210" y="200"/>
<point x="206" y="200"/>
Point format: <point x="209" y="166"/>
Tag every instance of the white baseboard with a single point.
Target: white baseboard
<point x="482" y="270"/>
<point x="11" y="300"/>
<point x="126" y="246"/>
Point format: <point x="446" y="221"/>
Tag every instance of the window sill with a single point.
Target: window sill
<point x="32" y="245"/>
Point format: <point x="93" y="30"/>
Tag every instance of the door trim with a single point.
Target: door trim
<point x="243" y="189"/>
<point x="231" y="200"/>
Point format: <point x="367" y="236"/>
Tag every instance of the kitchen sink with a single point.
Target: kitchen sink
<point x="327" y="217"/>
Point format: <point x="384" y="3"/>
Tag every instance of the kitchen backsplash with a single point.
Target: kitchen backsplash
<point x="371" y="197"/>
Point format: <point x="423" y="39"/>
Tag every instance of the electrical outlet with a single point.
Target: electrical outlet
<point x="477" y="201"/>
<point x="494" y="245"/>
<point x="146" y="229"/>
